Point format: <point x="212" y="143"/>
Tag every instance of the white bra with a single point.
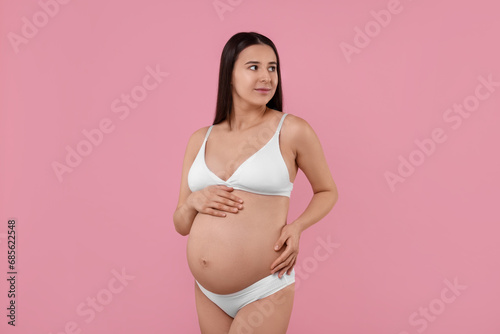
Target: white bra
<point x="265" y="172"/>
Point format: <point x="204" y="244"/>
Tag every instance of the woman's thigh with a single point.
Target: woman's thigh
<point x="211" y="318"/>
<point x="266" y="315"/>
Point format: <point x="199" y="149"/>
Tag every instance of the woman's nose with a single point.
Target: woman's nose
<point x="266" y="77"/>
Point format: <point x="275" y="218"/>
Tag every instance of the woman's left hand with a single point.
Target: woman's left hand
<point x="290" y="235"/>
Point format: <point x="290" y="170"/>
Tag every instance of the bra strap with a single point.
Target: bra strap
<point x="281" y="122"/>
<point x="208" y="132"/>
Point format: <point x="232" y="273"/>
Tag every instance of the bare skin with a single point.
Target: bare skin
<point x="229" y="250"/>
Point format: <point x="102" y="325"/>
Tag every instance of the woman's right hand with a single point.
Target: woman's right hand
<point x="214" y="200"/>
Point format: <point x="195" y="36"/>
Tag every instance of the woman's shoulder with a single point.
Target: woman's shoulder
<point x="200" y="132"/>
<point x="295" y="125"/>
<point x="196" y="138"/>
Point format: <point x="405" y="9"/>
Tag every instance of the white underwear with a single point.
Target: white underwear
<point x="233" y="302"/>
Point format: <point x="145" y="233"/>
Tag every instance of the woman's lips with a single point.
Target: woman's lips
<point x="263" y="91"/>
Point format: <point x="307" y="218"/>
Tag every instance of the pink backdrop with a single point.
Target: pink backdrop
<point x="404" y="96"/>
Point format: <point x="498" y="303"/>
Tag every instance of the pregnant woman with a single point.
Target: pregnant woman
<point x="235" y="191"/>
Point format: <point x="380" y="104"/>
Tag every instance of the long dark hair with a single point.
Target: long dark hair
<point x="231" y="50"/>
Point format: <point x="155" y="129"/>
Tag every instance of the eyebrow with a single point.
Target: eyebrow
<point x="258" y="62"/>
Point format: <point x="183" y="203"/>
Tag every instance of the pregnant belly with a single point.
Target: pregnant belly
<point x="227" y="254"/>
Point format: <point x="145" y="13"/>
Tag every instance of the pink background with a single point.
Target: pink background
<point x="397" y="246"/>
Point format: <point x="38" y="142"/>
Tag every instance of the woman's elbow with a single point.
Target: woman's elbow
<point x="335" y="197"/>
<point x="182" y="231"/>
<point x="179" y="227"/>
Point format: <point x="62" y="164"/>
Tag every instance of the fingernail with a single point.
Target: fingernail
<point x="276" y="247"/>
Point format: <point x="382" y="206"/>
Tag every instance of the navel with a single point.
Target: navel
<point x="204" y="262"/>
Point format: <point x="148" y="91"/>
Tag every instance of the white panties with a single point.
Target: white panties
<point x="231" y="303"/>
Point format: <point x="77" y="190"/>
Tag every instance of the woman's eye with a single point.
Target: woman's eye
<point x="273" y="67"/>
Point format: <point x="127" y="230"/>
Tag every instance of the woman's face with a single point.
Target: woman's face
<point x="256" y="67"/>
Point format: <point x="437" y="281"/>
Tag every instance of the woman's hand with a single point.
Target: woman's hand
<point x="214" y="200"/>
<point x="290" y="235"/>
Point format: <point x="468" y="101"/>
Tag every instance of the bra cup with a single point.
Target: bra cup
<point x="265" y="172"/>
<point x="197" y="179"/>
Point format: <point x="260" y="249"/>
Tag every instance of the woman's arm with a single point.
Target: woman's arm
<point x="185" y="212"/>
<point x="311" y="160"/>
<point x="183" y="218"/>
<point x="321" y="203"/>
